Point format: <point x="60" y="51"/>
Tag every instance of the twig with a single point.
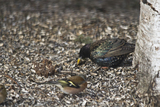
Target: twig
<point x="12" y="80"/>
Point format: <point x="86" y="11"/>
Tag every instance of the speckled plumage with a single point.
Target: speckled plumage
<point x="107" y="52"/>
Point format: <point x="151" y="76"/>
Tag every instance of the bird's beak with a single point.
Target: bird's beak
<point x="78" y="61"/>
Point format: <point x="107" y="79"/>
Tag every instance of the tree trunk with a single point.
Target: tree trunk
<point x="147" y="50"/>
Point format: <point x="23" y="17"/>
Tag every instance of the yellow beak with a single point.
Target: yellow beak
<point x="78" y="61"/>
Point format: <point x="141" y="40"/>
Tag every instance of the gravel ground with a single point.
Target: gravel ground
<point x="51" y="33"/>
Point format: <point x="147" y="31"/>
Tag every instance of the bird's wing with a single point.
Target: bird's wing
<point x="126" y="49"/>
<point x="77" y="80"/>
<point x="110" y="48"/>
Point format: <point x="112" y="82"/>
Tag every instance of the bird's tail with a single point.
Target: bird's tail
<point x="48" y="82"/>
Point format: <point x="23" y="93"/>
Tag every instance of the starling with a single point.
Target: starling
<point x="106" y="52"/>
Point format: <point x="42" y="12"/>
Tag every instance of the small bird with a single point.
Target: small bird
<point x="106" y="52"/>
<point x="72" y="85"/>
<point x="3" y="93"/>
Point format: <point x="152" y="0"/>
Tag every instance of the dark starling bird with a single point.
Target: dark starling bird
<point x="106" y="52"/>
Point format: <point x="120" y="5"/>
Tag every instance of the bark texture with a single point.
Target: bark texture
<point x="147" y="51"/>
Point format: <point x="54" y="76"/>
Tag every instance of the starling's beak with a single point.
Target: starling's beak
<point x="78" y="61"/>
